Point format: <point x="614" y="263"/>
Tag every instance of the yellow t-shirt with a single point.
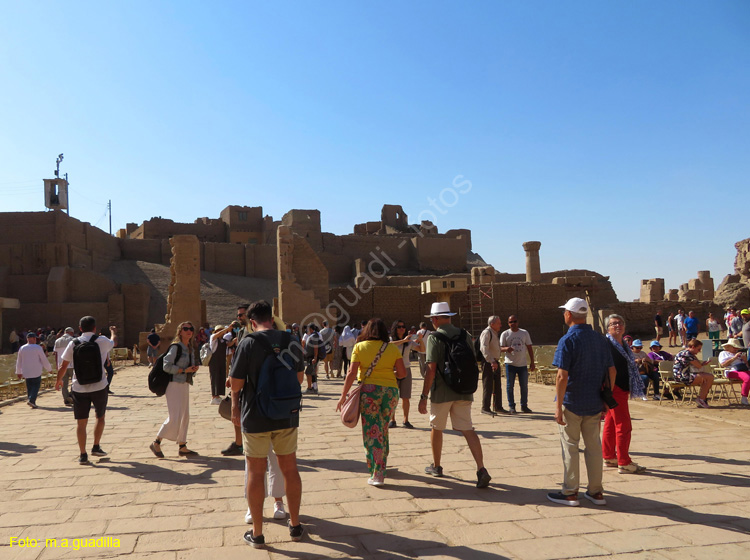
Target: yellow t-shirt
<point x="382" y="374"/>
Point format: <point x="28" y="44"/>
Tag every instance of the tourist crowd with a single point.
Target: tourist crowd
<point x="263" y="366"/>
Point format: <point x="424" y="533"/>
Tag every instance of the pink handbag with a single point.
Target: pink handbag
<point x="350" y="408"/>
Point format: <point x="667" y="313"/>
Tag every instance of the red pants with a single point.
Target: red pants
<point x="617" y="429"/>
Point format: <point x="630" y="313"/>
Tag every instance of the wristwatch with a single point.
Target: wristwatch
<point x="423" y="397"/>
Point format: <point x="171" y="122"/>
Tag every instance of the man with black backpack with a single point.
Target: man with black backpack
<point x="267" y="372"/>
<point x="88" y="353"/>
<point x="451" y="380"/>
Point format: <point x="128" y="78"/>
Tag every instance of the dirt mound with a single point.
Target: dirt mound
<point x="222" y="292"/>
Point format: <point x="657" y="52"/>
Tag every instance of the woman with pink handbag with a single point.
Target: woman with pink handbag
<point x="374" y="361"/>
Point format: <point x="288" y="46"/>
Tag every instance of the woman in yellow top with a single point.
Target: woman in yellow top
<point x="379" y="394"/>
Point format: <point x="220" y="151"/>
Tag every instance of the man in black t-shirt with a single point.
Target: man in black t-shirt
<point x="259" y="433"/>
<point x="658" y="326"/>
<point x="152" y="351"/>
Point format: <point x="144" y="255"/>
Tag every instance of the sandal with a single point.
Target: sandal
<point x="156" y="451"/>
<point x="184" y="451"/>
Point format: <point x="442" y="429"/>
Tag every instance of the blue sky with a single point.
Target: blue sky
<point x="616" y="133"/>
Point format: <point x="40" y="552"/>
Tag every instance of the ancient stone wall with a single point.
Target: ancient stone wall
<point x="302" y="278"/>
<point x="184" y="295"/>
<point x="306" y="224"/>
<point x="742" y="260"/>
<point x="148" y="250"/>
<point x="160" y="228"/>
<point x="652" y="290"/>
<point x="441" y="254"/>
<point x="28" y="288"/>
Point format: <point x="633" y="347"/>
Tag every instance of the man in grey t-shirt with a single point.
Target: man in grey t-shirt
<point x="518" y="343"/>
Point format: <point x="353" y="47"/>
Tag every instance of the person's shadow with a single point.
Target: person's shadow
<point x="11" y="449"/>
<point x="356" y="542"/>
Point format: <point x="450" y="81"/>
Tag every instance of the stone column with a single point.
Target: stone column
<point x="533" y="269"/>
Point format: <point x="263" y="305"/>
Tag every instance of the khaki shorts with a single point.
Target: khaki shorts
<point x="404" y="386"/>
<point x="284" y="442"/>
<point x="328" y="358"/>
<point x="459" y="411"/>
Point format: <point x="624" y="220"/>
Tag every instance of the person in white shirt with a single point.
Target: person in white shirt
<point x="30" y="362"/>
<point x="489" y="346"/>
<point x="518" y="343"/>
<point x="87" y="394"/>
<point x="60" y="345"/>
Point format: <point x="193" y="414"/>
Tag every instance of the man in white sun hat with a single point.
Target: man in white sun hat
<point x="450" y="355"/>
<point x="583" y="360"/>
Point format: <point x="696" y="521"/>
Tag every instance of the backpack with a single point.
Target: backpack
<point x="278" y="395"/>
<point x="478" y="348"/>
<point x="87" y="361"/>
<point x="461" y="373"/>
<point x="206" y="353"/>
<point x="158" y="379"/>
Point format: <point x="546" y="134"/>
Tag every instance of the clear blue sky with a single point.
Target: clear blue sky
<point x="616" y="133"/>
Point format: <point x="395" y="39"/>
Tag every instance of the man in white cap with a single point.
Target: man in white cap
<point x="583" y="360"/>
<point x="60" y="345"/>
<point x="444" y="401"/>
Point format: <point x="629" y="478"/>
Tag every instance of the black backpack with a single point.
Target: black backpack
<point x="87" y="361"/>
<point x="460" y="373"/>
<point x="478" y="348"/>
<point x="278" y="395"/>
<point x="158" y="379"/>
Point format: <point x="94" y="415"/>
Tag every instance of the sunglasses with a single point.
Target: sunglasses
<point x="512" y="321"/>
<point x="240" y="314"/>
<point x="400" y="326"/>
<point x="188" y="329"/>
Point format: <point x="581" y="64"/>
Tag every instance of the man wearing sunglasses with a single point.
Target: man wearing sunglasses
<point x="518" y="344"/>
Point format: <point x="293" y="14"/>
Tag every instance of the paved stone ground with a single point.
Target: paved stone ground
<point x="693" y="503"/>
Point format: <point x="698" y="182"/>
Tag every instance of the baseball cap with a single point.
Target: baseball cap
<point x="576" y="305"/>
<point x="654" y="343"/>
<point x="745" y="312"/>
<point x="637" y="342"/>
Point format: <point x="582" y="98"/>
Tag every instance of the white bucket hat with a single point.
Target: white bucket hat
<point x="440" y="308"/>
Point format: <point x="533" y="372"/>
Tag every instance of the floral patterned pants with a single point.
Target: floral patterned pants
<point x="377" y="405"/>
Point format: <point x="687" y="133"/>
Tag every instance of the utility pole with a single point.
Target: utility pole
<point x="109" y="209"/>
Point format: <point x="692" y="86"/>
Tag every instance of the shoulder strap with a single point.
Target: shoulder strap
<point x="179" y="351"/>
<point x="93" y="338"/>
<point x="376" y="359"/>
<point x="441" y="337"/>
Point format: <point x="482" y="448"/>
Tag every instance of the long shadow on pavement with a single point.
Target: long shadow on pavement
<point x="338" y="538"/>
<point x="644" y="506"/>
<point x="153" y="472"/>
<point x="699" y="458"/>
<point x="10" y="449"/>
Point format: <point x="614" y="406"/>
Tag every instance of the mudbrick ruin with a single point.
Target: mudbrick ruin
<point x="55" y="269"/>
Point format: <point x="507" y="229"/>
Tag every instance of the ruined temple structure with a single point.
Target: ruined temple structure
<point x="59" y="269"/>
<point x="734" y="290"/>
<point x="184" y="294"/>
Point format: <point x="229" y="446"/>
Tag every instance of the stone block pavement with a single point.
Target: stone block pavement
<point x="693" y="503"/>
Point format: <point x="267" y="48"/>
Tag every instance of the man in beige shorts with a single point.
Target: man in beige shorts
<point x="261" y="433"/>
<point x="444" y="401"/>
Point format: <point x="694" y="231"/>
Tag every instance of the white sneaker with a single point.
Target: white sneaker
<point x="216" y="400"/>
<point x="644" y="398"/>
<point x="278" y="510"/>
<point x="248" y="517"/>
